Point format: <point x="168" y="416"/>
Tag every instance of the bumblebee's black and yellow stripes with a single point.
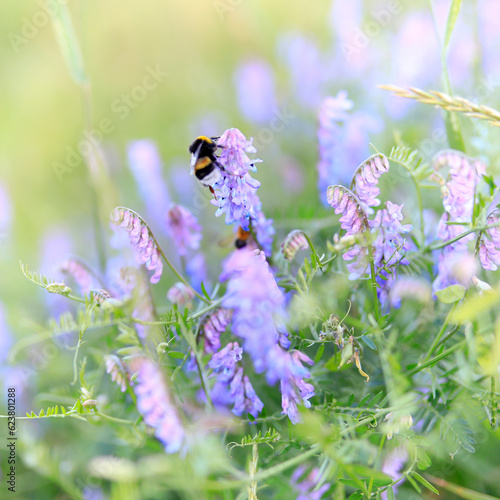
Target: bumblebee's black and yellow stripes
<point x="242" y="238"/>
<point x="204" y="162"/>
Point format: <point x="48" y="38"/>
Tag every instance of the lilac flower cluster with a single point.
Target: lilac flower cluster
<point x="307" y="487"/>
<point x="256" y="301"/>
<point x="342" y="140"/>
<point x="366" y="177"/>
<point x="458" y="203"/>
<point x="294" y="242"/>
<point x="255" y="90"/>
<point x="355" y="222"/>
<point x="79" y="272"/>
<point x="232" y="387"/>
<point x="489" y="246"/>
<point x="118" y="373"/>
<point x="389" y="245"/>
<point x="184" y="229"/>
<point x="386" y="244"/>
<point x="236" y="192"/>
<point x="142" y="240"/>
<point x="155" y="404"/>
<point x="180" y="294"/>
<point x="213" y="327"/>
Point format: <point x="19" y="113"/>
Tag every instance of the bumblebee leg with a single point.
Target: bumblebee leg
<point x="212" y="191"/>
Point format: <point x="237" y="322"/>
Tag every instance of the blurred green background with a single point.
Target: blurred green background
<point x="199" y="44"/>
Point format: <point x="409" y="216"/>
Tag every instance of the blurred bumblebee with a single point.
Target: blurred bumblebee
<point x="204" y="162"/>
<point x="243" y="238"/>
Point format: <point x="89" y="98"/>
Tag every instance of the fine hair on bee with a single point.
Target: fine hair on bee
<point x="204" y="162"/>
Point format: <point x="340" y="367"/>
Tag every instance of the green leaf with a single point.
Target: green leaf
<point x="424" y="482"/>
<point x="460" y="491"/>
<point x="204" y="291"/>
<point x="176" y="354"/>
<point x="451" y="294"/>
<point x="369" y="342"/>
<point x="450" y="23"/>
<point x="379" y="478"/>
<point x="390" y="493"/>
<point x="346" y="355"/>
<point x="68" y="42"/>
<point x="319" y="354"/>
<point x="423" y="460"/>
<point x="357" y="495"/>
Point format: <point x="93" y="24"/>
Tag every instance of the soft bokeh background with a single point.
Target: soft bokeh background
<point x="228" y="64"/>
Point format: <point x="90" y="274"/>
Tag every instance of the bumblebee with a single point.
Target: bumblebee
<point x="242" y="239"/>
<point x="204" y="162"/>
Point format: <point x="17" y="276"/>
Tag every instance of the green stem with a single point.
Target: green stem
<point x="443" y="244"/>
<point x="374" y="289"/>
<point x="165" y="258"/>
<point x="440" y="334"/>
<point x="433" y="361"/>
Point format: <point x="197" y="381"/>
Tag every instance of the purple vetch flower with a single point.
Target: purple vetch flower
<point x="355" y="221"/>
<point x="181" y="294"/>
<point x="232" y="387"/>
<point x="213" y="327"/>
<point x="489" y="246"/>
<point x="196" y="269"/>
<point x="294" y="241"/>
<point x="92" y="493"/>
<point x="454" y="267"/>
<point x="393" y="465"/>
<point x="458" y="202"/>
<point x="254" y="82"/>
<point x="294" y="390"/>
<point x="142" y="240"/>
<point x="365" y="180"/>
<point x="236" y="194"/>
<point x="146" y="166"/>
<point x="257" y="302"/>
<point x="342" y="140"/>
<point x="464" y="175"/>
<point x="264" y="231"/>
<point x="308" y="488"/>
<point x="409" y="288"/>
<point x="116" y="369"/>
<point x="307" y="69"/>
<point x="154" y="403"/>
<point x="183" y="228"/>
<point x="389" y="242"/>
<point x="388" y="246"/>
<point x="79" y="272"/>
<point x="344" y="201"/>
<point x="332" y="114"/>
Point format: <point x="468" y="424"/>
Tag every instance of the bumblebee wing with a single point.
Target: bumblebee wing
<point x="194" y="159"/>
<point x="226" y="242"/>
